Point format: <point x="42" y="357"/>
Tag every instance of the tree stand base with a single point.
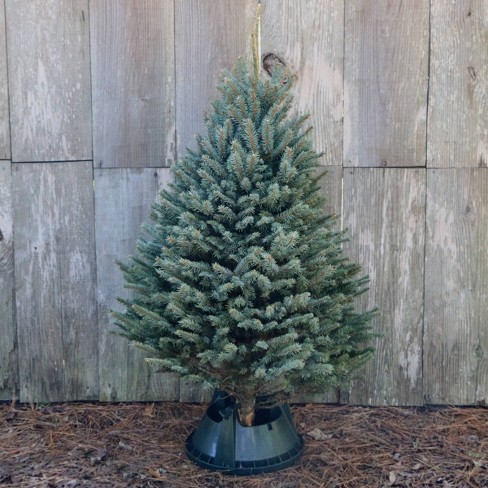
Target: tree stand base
<point x="221" y="443"/>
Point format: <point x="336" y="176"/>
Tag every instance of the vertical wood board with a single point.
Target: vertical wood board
<point x="123" y="199"/>
<point x="4" y="111"/>
<point x="309" y="37"/>
<point x="385" y="82"/>
<point x="49" y="80"/>
<point x="133" y="79"/>
<point x="8" y="335"/>
<point x="384" y="210"/>
<point x="331" y="187"/>
<point x="148" y="69"/>
<point x="458" y="101"/>
<point x="209" y="36"/>
<point x="456" y="302"/>
<point x="55" y="281"/>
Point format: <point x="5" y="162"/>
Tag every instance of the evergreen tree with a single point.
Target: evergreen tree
<point x="240" y="281"/>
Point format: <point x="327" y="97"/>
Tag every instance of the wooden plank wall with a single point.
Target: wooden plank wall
<point x="123" y="197"/>
<point x="4" y="111"/>
<point x="8" y="349"/>
<point x="49" y="80"/>
<point x="98" y="99"/>
<point x="133" y="63"/>
<point x="55" y="270"/>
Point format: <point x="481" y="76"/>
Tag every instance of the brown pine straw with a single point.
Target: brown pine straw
<point x="142" y="446"/>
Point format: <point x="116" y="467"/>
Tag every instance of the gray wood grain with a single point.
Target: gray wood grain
<point x="209" y="36"/>
<point x="309" y="37"/>
<point x="384" y="210"/>
<point x="123" y="199"/>
<point x="385" y="82"/>
<point x="331" y="186"/>
<point x="456" y="280"/>
<point x="55" y="276"/>
<point x="8" y="333"/>
<point x="49" y="80"/>
<point x="4" y="111"/>
<point x="133" y="78"/>
<point x="458" y="101"/>
<point x="148" y="69"/>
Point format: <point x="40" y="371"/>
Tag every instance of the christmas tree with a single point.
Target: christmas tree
<point x="240" y="281"/>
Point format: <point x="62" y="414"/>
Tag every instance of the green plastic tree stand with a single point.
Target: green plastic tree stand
<point x="221" y="443"/>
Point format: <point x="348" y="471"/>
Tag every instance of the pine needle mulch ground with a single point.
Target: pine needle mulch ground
<point x="142" y="446"/>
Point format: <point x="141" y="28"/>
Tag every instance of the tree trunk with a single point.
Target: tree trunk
<point x="246" y="412"/>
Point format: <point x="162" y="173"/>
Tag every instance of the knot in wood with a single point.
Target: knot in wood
<point x="270" y="61"/>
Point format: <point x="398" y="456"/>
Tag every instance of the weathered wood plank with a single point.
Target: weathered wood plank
<point x="8" y="342"/>
<point x="132" y="46"/>
<point x="456" y="302"/>
<point x="49" y="80"/>
<point x="309" y="37"/>
<point x="331" y="186"/>
<point x="4" y="111"/>
<point x="458" y="101"/>
<point x="123" y="199"/>
<point x="385" y="212"/>
<point x="55" y="276"/>
<point x="209" y="36"/>
<point x="385" y="82"/>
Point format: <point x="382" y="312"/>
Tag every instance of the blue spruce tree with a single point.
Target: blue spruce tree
<point x="240" y="281"/>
